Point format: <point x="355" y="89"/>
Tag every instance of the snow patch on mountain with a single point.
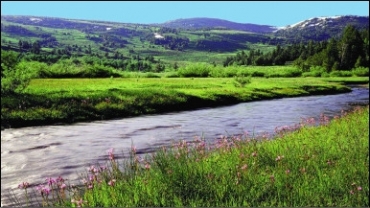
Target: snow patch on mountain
<point x="311" y="22"/>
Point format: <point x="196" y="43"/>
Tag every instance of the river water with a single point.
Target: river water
<point x="34" y="153"/>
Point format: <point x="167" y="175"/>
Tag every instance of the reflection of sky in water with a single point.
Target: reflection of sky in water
<point x="34" y="153"/>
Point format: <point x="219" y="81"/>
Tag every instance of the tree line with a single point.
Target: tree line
<point x="349" y="51"/>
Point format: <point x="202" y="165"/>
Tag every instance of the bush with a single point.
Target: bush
<point x="258" y="74"/>
<point x="341" y="74"/>
<point x="361" y="72"/>
<point x="17" y="79"/>
<point x="195" y="70"/>
<point x="151" y="75"/>
<point x="241" y="81"/>
<point x="311" y="74"/>
<point x="171" y="75"/>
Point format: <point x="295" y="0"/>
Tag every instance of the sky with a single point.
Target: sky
<point x="274" y="13"/>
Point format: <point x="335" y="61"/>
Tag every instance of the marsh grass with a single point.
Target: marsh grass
<point x="313" y="163"/>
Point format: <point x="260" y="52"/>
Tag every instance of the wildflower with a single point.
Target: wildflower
<point x="303" y="170"/>
<point x="50" y="181"/>
<point x="63" y="186"/>
<point x="147" y="166"/>
<point x="279" y="157"/>
<point x="43" y="190"/>
<point x="133" y="149"/>
<point x="79" y="202"/>
<point x="244" y="167"/>
<point x="254" y="154"/>
<point x="60" y="179"/>
<point x="238" y="174"/>
<point x="351" y="192"/>
<point x="112" y="182"/>
<point x="287" y="171"/>
<point x="359" y="188"/>
<point x="110" y="153"/>
<point x="23" y="185"/>
<point x="84" y="181"/>
<point x="90" y="186"/>
<point x="92" y="178"/>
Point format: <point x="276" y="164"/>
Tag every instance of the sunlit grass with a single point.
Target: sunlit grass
<point x="70" y="100"/>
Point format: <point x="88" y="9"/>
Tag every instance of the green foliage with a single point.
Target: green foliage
<point x="341" y="73"/>
<point x="241" y="81"/>
<point x="361" y="71"/>
<point x="9" y="59"/>
<point x="195" y="70"/>
<point x="17" y="79"/>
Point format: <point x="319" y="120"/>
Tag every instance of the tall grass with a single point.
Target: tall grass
<point x="303" y="165"/>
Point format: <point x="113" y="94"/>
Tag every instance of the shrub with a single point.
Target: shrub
<point x="195" y="70"/>
<point x="17" y="79"/>
<point x="361" y="72"/>
<point x="341" y="74"/>
<point x="241" y="81"/>
<point x="151" y="75"/>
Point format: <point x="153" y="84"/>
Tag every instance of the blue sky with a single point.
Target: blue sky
<point x="275" y="13"/>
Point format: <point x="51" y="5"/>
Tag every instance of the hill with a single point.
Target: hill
<point x="201" y="23"/>
<point x="321" y="28"/>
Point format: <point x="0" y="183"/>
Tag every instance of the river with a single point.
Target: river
<point x="34" y="153"/>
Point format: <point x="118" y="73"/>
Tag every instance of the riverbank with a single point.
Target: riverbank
<point x="304" y="165"/>
<point x="51" y="101"/>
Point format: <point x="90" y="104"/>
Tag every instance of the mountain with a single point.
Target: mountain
<point x="200" y="23"/>
<point x="321" y="28"/>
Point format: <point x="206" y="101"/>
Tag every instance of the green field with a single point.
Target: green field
<point x="47" y="101"/>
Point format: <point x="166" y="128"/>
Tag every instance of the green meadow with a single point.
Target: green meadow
<point x="46" y="101"/>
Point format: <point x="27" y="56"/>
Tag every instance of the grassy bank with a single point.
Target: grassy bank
<point x="47" y="101"/>
<point x="304" y="165"/>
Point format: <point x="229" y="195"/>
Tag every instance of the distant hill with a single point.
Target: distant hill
<point x="322" y="28"/>
<point x="199" y="23"/>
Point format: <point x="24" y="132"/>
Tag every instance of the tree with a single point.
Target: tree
<point x="9" y="60"/>
<point x="351" y="47"/>
<point x="36" y="47"/>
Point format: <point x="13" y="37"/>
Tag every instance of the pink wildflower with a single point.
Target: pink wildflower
<point x="60" y="179"/>
<point x="244" y="167"/>
<point x="112" y="182"/>
<point x="63" y="186"/>
<point x="147" y="166"/>
<point x="359" y="188"/>
<point x="23" y="185"/>
<point x="279" y="157"/>
<point x="287" y="171"/>
<point x="50" y="181"/>
<point x="110" y="153"/>
<point x="133" y="149"/>
<point x="43" y="190"/>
